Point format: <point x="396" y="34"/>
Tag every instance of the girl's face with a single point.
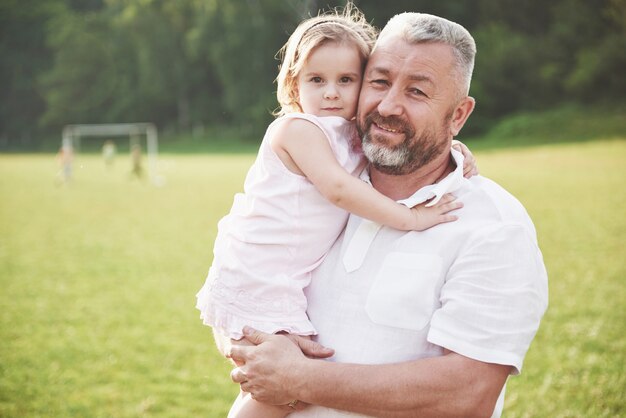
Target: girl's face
<point x="330" y="81"/>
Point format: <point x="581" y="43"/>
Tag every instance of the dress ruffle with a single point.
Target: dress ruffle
<point x="228" y="311"/>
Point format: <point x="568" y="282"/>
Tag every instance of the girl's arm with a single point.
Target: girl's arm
<point x="304" y="150"/>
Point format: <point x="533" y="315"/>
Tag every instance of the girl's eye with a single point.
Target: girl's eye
<point x="345" y="79"/>
<point x="316" y="79"/>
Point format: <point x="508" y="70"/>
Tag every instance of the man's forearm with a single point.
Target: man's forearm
<point x="450" y="385"/>
<point x="276" y="372"/>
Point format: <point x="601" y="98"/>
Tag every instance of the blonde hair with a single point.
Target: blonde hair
<point x="347" y="25"/>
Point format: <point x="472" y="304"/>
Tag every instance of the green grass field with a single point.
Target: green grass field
<point x="98" y="279"/>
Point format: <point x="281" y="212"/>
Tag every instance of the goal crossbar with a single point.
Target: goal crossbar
<point x="73" y="133"/>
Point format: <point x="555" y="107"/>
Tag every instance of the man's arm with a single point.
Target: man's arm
<point x="448" y="386"/>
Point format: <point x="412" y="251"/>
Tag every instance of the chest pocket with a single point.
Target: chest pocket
<point x="404" y="292"/>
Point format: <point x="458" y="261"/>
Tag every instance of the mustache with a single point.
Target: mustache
<point x="391" y="122"/>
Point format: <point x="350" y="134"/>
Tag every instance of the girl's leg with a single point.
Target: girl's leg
<point x="246" y="407"/>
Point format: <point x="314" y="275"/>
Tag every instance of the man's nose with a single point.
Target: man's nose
<point x="391" y="103"/>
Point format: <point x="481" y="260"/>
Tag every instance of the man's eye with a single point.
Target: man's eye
<point x="380" y="82"/>
<point x="417" y="92"/>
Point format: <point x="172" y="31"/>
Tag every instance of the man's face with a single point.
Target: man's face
<point x="406" y="105"/>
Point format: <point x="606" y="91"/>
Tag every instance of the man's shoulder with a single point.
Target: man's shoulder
<point x="495" y="221"/>
<point x="492" y="203"/>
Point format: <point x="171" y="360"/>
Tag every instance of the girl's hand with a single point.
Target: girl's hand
<point x="426" y="217"/>
<point x="469" y="163"/>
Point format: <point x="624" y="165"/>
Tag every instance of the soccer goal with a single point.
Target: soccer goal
<point x="72" y="135"/>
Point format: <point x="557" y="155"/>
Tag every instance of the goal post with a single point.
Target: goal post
<point x="73" y="133"/>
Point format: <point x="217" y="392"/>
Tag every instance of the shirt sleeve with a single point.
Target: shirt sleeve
<point x="493" y="298"/>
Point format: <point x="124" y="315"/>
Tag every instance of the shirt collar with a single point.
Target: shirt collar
<point x="448" y="184"/>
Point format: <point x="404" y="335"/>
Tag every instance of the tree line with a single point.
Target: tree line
<point x="190" y="64"/>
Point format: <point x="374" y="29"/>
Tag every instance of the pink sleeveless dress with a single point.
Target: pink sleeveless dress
<point x="276" y="233"/>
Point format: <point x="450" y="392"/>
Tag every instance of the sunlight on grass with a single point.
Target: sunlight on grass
<point x="576" y="197"/>
<point x="98" y="281"/>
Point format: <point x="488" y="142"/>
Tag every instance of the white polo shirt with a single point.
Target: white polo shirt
<point x="477" y="286"/>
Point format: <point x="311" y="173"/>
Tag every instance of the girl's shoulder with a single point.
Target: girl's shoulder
<point x="333" y="127"/>
<point x="295" y="125"/>
<point x="318" y="120"/>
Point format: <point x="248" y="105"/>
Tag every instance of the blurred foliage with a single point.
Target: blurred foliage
<point x="188" y="65"/>
<point x="563" y="124"/>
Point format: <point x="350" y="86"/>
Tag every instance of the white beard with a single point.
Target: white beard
<point x="382" y="156"/>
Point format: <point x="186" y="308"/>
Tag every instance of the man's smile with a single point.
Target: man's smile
<point x="386" y="129"/>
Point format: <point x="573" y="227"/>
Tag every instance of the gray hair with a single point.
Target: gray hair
<point x="419" y="27"/>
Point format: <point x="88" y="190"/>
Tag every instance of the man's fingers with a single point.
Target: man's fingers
<point x="314" y="349"/>
<point x="310" y="348"/>
<point x="238" y="353"/>
<point x="237" y="375"/>
<point x="256" y="337"/>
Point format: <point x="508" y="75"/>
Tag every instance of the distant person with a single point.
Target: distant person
<point x="299" y="191"/>
<point x="136" y="160"/>
<point x="427" y="324"/>
<point x="109" y="150"/>
<point x="65" y="157"/>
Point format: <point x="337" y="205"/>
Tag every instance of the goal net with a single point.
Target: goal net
<point x="72" y="135"/>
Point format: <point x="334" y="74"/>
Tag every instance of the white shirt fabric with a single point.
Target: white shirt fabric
<point x="276" y="233"/>
<point x="477" y="286"/>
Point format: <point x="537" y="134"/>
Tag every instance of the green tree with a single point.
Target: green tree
<point x="189" y="63"/>
<point x="24" y="56"/>
<point x="242" y="39"/>
<point x="594" y="55"/>
<point x="84" y="83"/>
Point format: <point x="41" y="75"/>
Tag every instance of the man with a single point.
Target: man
<point x="422" y="323"/>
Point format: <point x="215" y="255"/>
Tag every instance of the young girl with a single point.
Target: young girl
<point x="299" y="191"/>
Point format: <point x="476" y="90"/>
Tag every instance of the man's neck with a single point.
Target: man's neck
<point x="399" y="187"/>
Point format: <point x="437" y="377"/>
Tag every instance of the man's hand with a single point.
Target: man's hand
<point x="224" y="345"/>
<point x="269" y="366"/>
<point x="310" y="348"/>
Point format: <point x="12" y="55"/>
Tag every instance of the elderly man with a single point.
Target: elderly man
<point x="426" y="324"/>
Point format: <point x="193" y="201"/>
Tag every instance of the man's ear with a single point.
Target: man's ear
<point x="460" y="115"/>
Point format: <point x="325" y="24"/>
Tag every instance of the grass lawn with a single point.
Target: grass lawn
<point x="98" y="279"/>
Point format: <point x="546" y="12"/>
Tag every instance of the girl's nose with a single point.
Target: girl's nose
<point x="331" y="92"/>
